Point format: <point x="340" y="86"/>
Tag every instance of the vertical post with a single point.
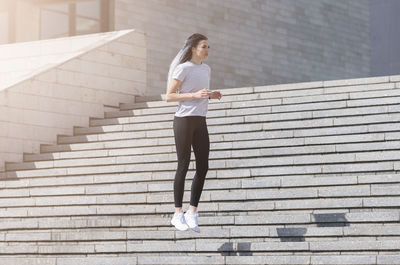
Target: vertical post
<point x="27" y="21"/>
<point x="106" y="15"/>
<point x="12" y="24"/>
<point x="72" y="19"/>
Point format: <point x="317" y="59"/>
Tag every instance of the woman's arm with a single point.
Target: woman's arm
<point x="173" y="96"/>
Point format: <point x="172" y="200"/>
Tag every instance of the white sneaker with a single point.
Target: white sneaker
<point x="192" y="220"/>
<point x="179" y="221"/>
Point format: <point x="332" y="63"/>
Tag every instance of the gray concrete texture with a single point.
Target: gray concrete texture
<point x="255" y="42"/>
<point x="385" y="37"/>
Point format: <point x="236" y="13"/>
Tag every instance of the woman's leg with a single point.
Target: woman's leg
<point x="201" y="149"/>
<point x="183" y="140"/>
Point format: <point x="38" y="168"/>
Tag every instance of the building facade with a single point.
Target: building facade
<point x="254" y="42"/>
<point x="385" y="37"/>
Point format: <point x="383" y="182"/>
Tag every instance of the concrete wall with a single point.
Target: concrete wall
<point x="255" y="42"/>
<point x="25" y="19"/>
<point x="36" y="110"/>
<point x="385" y="37"/>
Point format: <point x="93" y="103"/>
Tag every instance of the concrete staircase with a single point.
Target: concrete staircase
<point x="302" y="173"/>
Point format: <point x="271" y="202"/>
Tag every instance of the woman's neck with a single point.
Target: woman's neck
<point x="196" y="60"/>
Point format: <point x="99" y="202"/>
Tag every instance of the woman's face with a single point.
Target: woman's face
<point x="202" y="49"/>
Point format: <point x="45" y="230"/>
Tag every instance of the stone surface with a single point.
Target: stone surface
<point x="291" y="182"/>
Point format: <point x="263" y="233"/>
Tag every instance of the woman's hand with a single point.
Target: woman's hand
<point x="216" y="95"/>
<point x="202" y="93"/>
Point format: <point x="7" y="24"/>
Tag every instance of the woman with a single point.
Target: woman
<point x="188" y="83"/>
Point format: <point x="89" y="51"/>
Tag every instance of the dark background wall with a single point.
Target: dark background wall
<point x="385" y="37"/>
<point x="255" y="42"/>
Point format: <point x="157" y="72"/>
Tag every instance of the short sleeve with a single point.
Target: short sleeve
<point x="179" y="73"/>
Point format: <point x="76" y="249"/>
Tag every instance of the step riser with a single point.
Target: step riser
<point x="261" y="140"/>
<point x="151" y="221"/>
<point x="276" y="105"/>
<point x="218" y="135"/>
<point x="276" y="169"/>
<point x="298" y="174"/>
<point x="215" y="180"/>
<point x="293" y="123"/>
<point x="75" y="196"/>
<point x="271" y="234"/>
<point x="202" y="245"/>
<point x="223" y="258"/>
<point x="253" y="108"/>
<point x="234" y="134"/>
<point x="214" y="153"/>
<point x="166" y="208"/>
<point x="258" y="158"/>
<point x="228" y="190"/>
<point x="378" y="185"/>
<point x="260" y="114"/>
<point x="260" y="93"/>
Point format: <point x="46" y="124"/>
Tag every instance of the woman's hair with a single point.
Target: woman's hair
<point x="192" y="41"/>
<point x="185" y="53"/>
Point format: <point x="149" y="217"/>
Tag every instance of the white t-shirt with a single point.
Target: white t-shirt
<point x="194" y="77"/>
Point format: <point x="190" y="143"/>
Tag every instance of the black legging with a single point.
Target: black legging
<point x="190" y="131"/>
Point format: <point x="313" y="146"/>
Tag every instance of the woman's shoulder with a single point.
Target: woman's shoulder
<point x="185" y="64"/>
<point x="182" y="67"/>
<point x="190" y="64"/>
<point x="206" y="65"/>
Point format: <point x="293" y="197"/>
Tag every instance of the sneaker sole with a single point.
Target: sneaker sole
<point x="178" y="228"/>
<point x="197" y="231"/>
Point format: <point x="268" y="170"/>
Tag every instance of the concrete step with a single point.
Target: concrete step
<point x="305" y="218"/>
<point x="217" y="150"/>
<point x="267" y="92"/>
<point x="297" y="122"/>
<point x="213" y="126"/>
<point x="252" y="101"/>
<point x="299" y="174"/>
<point x="253" y="233"/>
<point x="215" y="153"/>
<point x="217" y="259"/>
<point x="318" y="154"/>
<point x="82" y="190"/>
<point x="114" y="132"/>
<point x="137" y="193"/>
<point x="258" y="167"/>
<point x="95" y="134"/>
<point x="115" y="129"/>
<point x="289" y="219"/>
<point x="100" y="205"/>
<point x="266" y="113"/>
<point x="227" y="133"/>
<point x="203" y="246"/>
<point x="221" y="179"/>
<point x="166" y="136"/>
<point x="220" y="160"/>
<point x="367" y="98"/>
<point x="234" y="142"/>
